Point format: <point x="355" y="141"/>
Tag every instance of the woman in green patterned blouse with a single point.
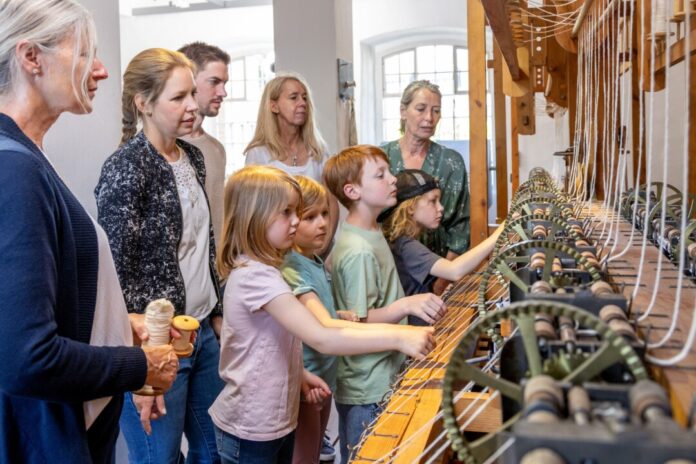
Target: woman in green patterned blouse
<point x="420" y="113"/>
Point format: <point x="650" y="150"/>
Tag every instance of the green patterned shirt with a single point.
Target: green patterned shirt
<point x="448" y="167"/>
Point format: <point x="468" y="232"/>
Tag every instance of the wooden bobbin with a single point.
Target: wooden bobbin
<point x="601" y="287"/>
<point x="581" y="243"/>
<point x="610" y="312"/>
<point x="186" y="325"/>
<point x="623" y="328"/>
<point x="691" y="250"/>
<point x="541" y="286"/>
<point x="556" y="267"/>
<point x="543" y="326"/>
<point x="537" y="263"/>
<point x="542" y="456"/>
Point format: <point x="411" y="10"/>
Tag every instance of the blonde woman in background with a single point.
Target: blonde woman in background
<point x="287" y="136"/>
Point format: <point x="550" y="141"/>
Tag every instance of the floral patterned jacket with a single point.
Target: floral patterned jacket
<point x="140" y="211"/>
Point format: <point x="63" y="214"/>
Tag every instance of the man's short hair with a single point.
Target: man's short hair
<point x="347" y="168"/>
<point x="201" y="53"/>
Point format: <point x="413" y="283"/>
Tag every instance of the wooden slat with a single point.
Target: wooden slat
<point x="500" y="25"/>
<point x="692" y="126"/>
<point x="514" y="147"/>
<point x="638" y="142"/>
<point x="478" y="141"/>
<point x="501" y="180"/>
<point x="677" y="51"/>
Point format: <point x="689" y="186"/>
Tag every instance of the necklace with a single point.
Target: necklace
<point x="294" y="159"/>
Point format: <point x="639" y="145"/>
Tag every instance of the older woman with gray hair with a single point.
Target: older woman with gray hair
<point x="421" y="105"/>
<point x="63" y="320"/>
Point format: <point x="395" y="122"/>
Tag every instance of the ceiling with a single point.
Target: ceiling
<point x="150" y="7"/>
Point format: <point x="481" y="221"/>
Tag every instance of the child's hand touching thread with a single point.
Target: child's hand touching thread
<point x="427" y="306"/>
<point x="417" y="342"/>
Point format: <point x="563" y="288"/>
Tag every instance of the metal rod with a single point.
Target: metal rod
<point x="581" y="18"/>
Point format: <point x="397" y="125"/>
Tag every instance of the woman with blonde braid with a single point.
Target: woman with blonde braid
<point x="155" y="211"/>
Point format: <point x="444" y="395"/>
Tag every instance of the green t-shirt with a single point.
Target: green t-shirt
<point x="448" y="167"/>
<point x="306" y="275"/>
<point x="364" y="277"/>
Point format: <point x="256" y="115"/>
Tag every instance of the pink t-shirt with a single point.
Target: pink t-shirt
<point x="260" y="361"/>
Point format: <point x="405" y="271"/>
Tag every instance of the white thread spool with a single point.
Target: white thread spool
<point x="186" y="325"/>
<point x="660" y="26"/>
<point x="158" y="321"/>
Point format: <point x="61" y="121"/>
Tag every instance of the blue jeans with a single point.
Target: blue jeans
<point x="235" y="450"/>
<point x="353" y="419"/>
<point x="196" y="386"/>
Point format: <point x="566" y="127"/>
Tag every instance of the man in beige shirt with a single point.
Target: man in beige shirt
<point x="211" y="78"/>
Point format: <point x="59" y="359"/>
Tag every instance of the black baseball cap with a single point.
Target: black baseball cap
<point x="410" y="183"/>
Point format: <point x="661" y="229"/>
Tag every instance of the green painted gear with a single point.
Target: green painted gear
<point x="515" y="225"/>
<point x="613" y="349"/>
<point x="551" y="248"/>
<point x="523" y="206"/>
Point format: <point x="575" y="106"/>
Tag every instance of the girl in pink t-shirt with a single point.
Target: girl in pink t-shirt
<point x="264" y="324"/>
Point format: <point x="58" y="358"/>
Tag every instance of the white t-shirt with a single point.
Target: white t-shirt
<point x="313" y="168"/>
<point x="194" y="247"/>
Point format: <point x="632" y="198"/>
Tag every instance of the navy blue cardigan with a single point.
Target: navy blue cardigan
<point x="48" y="285"/>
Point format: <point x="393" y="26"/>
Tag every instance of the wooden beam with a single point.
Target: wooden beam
<point x="692" y="126"/>
<point x="581" y="18"/>
<point x="514" y="147"/>
<point x="677" y="51"/>
<point x="478" y="137"/>
<point x="637" y="142"/>
<point x="501" y="180"/>
<point x="500" y="25"/>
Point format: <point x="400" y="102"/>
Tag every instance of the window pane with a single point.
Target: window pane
<point x="447" y="107"/>
<point x="390" y="108"/>
<point x="237" y="70"/>
<point x="461" y="106"/>
<point x="463" y="81"/>
<point x="405" y="80"/>
<point x="445" y="130"/>
<point x="444" y="58"/>
<point x="392" y="85"/>
<point x="390" y="130"/>
<point x="391" y="64"/>
<point x="407" y="62"/>
<point x="445" y="81"/>
<point x="425" y="59"/>
<point x="462" y="59"/>
<point x="461" y="128"/>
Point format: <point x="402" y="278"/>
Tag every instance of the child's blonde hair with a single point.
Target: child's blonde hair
<point x="400" y="222"/>
<point x="313" y="193"/>
<point x="253" y="196"/>
<point x="347" y="168"/>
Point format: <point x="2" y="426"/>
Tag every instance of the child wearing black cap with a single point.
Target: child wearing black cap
<point x="417" y="209"/>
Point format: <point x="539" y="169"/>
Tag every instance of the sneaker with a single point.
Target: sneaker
<point x="327" y="453"/>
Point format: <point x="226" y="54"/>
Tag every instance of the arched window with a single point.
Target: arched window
<point x="235" y="125"/>
<point x="444" y="65"/>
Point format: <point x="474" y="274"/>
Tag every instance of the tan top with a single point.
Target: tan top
<point x="215" y="160"/>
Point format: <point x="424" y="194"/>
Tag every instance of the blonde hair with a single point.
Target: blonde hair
<point x="146" y="75"/>
<point x="253" y="196"/>
<point x="45" y="24"/>
<point x="400" y="222"/>
<point x="313" y="193"/>
<point x="267" y="130"/>
<point x="347" y="168"/>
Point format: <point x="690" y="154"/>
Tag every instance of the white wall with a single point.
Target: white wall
<point x="78" y="145"/>
<point x="239" y="31"/>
